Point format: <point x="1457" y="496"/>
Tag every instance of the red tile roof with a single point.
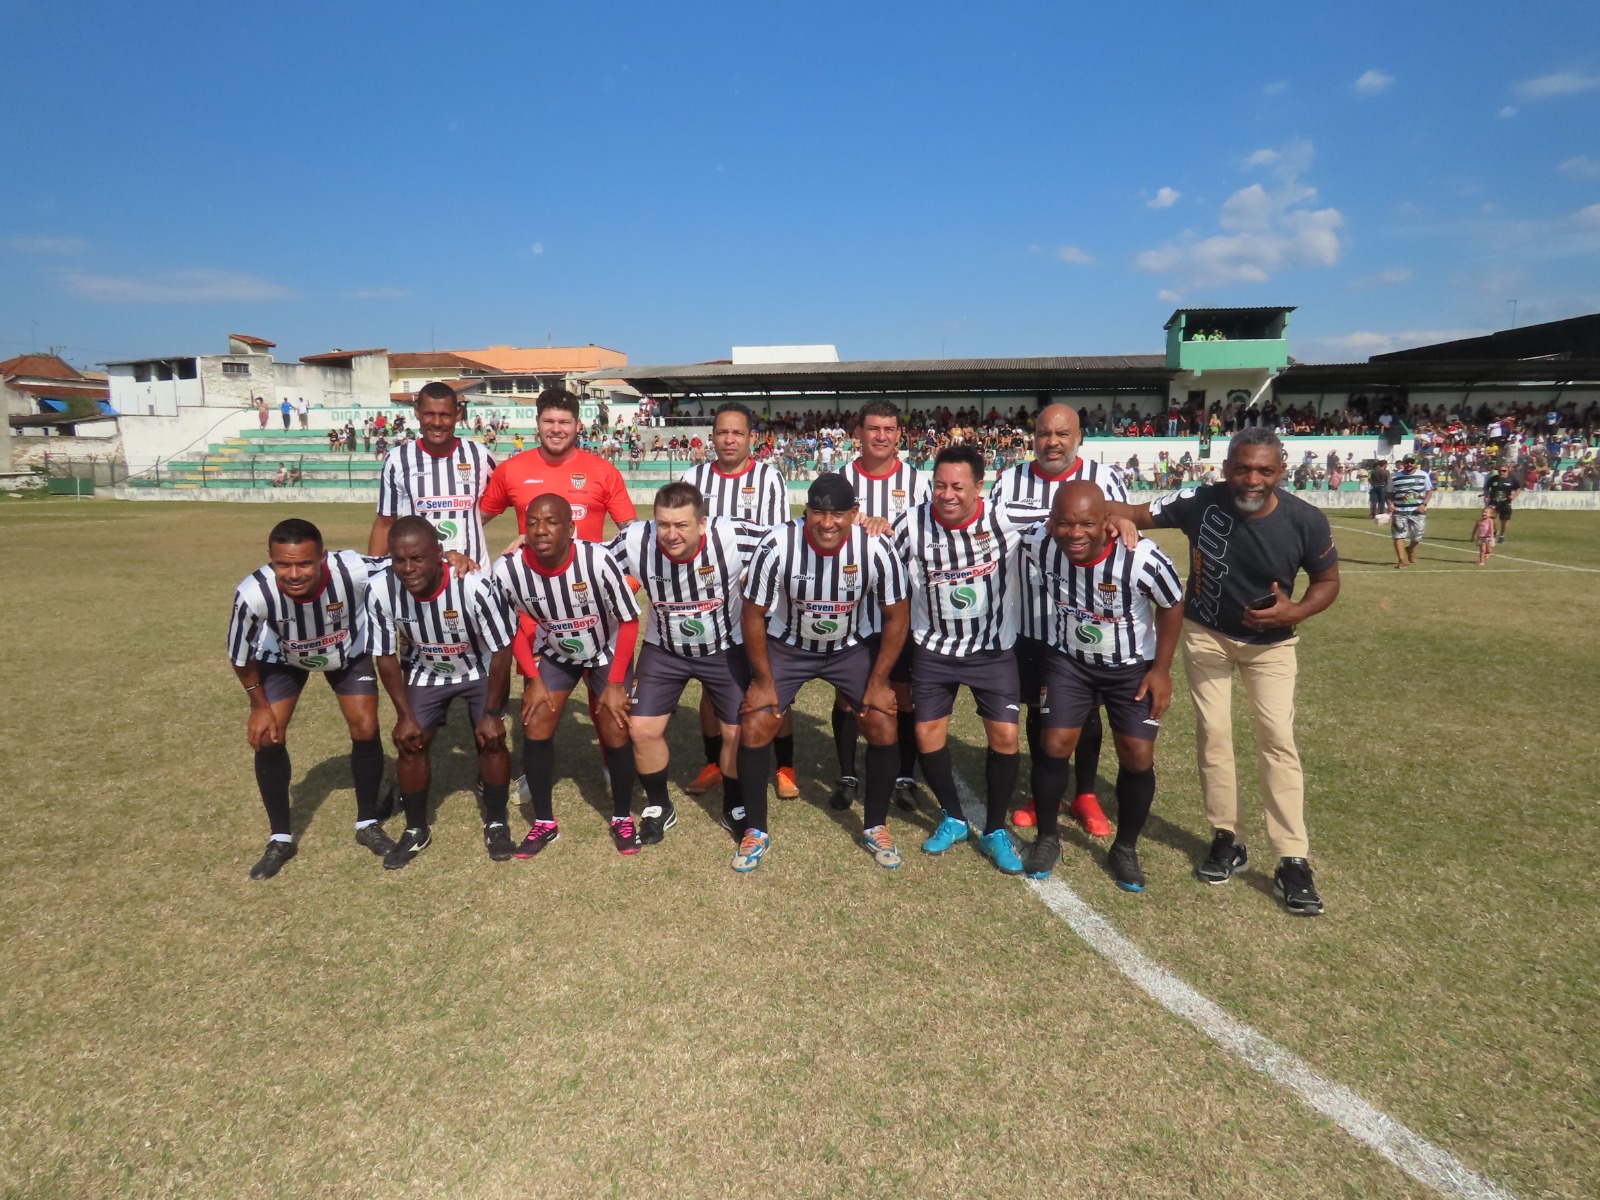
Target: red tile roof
<point x="38" y="366"/>
<point x="436" y="358"/>
<point x="339" y="355"/>
<point x="252" y="341"/>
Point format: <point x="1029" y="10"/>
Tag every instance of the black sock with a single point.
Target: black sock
<point x="783" y="747"/>
<point x="1136" y="792"/>
<point x="619" y="766"/>
<point x="1086" y="758"/>
<point x="366" y="766"/>
<point x="941" y="777"/>
<point x="1050" y="777"/>
<point x="755" y="764"/>
<point x="272" y="777"/>
<point x="1000" y="773"/>
<point x="733" y="804"/>
<point x="905" y="725"/>
<point x="496" y="803"/>
<point x="881" y="762"/>
<point x="1033" y="726"/>
<point x="713" y="743"/>
<point x="655" y="788"/>
<point x="845" y="732"/>
<point x="416" y="808"/>
<point x="538" y="766"/>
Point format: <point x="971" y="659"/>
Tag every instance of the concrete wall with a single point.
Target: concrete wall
<point x="362" y="384"/>
<point x="155" y="397"/>
<point x="227" y="390"/>
<point x="146" y="439"/>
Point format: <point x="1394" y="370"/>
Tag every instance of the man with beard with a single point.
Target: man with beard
<point x="1248" y="540"/>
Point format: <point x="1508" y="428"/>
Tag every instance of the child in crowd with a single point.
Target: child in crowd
<point x="1484" y="532"/>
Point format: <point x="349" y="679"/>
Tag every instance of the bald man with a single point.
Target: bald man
<point x="1057" y="438"/>
<point x="1113" y="618"/>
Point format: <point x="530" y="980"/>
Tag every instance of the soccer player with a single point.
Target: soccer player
<point x="1499" y="491"/>
<point x="456" y="631"/>
<point x="886" y="488"/>
<point x="587" y="624"/>
<point x="1409" y="493"/>
<point x="806" y="599"/>
<point x="1112" y="619"/>
<point x="738" y="487"/>
<point x="1248" y="539"/>
<point x="961" y="560"/>
<point x="1057" y="438"/>
<point x="440" y="478"/>
<point x="304" y="612"/>
<point x="691" y="570"/>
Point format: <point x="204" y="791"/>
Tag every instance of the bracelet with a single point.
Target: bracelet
<point x="253" y="687"/>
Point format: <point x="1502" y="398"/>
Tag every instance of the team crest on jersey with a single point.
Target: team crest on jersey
<point x="851" y="568"/>
<point x="580" y="587"/>
<point x="1108" y="592"/>
<point x="336" y="608"/>
<point x="451" y="614"/>
<point x="748" y="493"/>
<point x="463" y="467"/>
<point x="708" y="569"/>
<point x="897" y="499"/>
<point x="578" y="482"/>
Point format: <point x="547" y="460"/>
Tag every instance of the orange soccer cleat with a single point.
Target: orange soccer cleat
<point x="1085" y="810"/>
<point x="788" y="789"/>
<point x="710" y="777"/>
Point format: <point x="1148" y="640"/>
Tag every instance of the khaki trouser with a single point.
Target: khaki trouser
<point x="1268" y="674"/>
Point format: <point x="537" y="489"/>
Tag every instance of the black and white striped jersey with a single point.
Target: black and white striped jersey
<point x="694" y="605"/>
<point x="963" y="580"/>
<point x="579" y="607"/>
<point x="324" y="633"/>
<point x="891" y="494"/>
<point x="1102" y="613"/>
<point x="443" y="489"/>
<point x="1022" y="484"/>
<point x="448" y="637"/>
<point x="820" y="602"/>
<point x="757" y="495"/>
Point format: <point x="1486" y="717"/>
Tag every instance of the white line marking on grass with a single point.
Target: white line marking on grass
<point x="1413" y="1154"/>
<point x="1538" y="562"/>
<point x="1463" y="568"/>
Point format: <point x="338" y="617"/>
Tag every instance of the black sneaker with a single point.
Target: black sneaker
<point x="412" y="843"/>
<point x="375" y="839"/>
<point x="497" y="841"/>
<point x="905" y="795"/>
<point x="844" y="792"/>
<point x="1124" y="864"/>
<point x="539" y="836"/>
<point x="654" y="822"/>
<point x="1042" y="856"/>
<point x="1291" y="883"/>
<point x="1226" y="857"/>
<point x="272" y="861"/>
<point x="733" y="822"/>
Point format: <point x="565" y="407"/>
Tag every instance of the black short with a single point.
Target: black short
<point x="430" y="704"/>
<point x="991" y="674"/>
<point x="1503" y="510"/>
<point x="660" y="677"/>
<point x="1073" y="690"/>
<point x="1030" y="654"/>
<point x="356" y="678"/>
<point x="558" y="676"/>
<point x="792" y="668"/>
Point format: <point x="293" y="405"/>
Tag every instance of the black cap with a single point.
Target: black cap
<point x="831" y="493"/>
<point x="1411" y="458"/>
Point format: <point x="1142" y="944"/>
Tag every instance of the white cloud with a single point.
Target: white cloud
<point x="1583" y="166"/>
<point x="1165" y="198"/>
<point x="537" y="248"/>
<point x="1588" y="218"/>
<point x="1265" y="230"/>
<point x="1509" y="111"/>
<point x="379" y="293"/>
<point x="1072" y="254"/>
<point x="198" y="285"/>
<point x="1168" y="296"/>
<point x="1365" y="343"/>
<point x="1373" y="83"/>
<point x="1276" y="88"/>
<point x="46" y="244"/>
<point x="1561" y="83"/>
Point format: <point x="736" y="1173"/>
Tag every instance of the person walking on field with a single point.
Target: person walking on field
<point x="1248" y="540"/>
<point x="1409" y="493"/>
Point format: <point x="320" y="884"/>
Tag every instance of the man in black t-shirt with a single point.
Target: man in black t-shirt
<point x="1499" y="491"/>
<point x="1378" y="487"/>
<point x="1248" y="540"/>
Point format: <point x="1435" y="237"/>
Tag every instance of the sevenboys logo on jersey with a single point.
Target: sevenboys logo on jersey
<point x="428" y="505"/>
<point x="579" y="511"/>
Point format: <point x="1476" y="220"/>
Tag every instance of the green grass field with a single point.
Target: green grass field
<point x="588" y="1025"/>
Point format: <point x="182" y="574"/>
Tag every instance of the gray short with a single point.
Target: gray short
<point x="1408" y="527"/>
<point x="560" y="676"/>
<point x="848" y="670"/>
<point x="356" y="678"/>
<point x="660" y="677"/>
<point x="431" y="704"/>
<point x="991" y="674"/>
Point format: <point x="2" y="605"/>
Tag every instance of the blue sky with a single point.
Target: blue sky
<point x="673" y="179"/>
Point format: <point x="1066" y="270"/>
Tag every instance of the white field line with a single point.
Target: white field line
<point x="1417" y="1157"/>
<point x="1538" y="562"/>
<point x="1345" y="571"/>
